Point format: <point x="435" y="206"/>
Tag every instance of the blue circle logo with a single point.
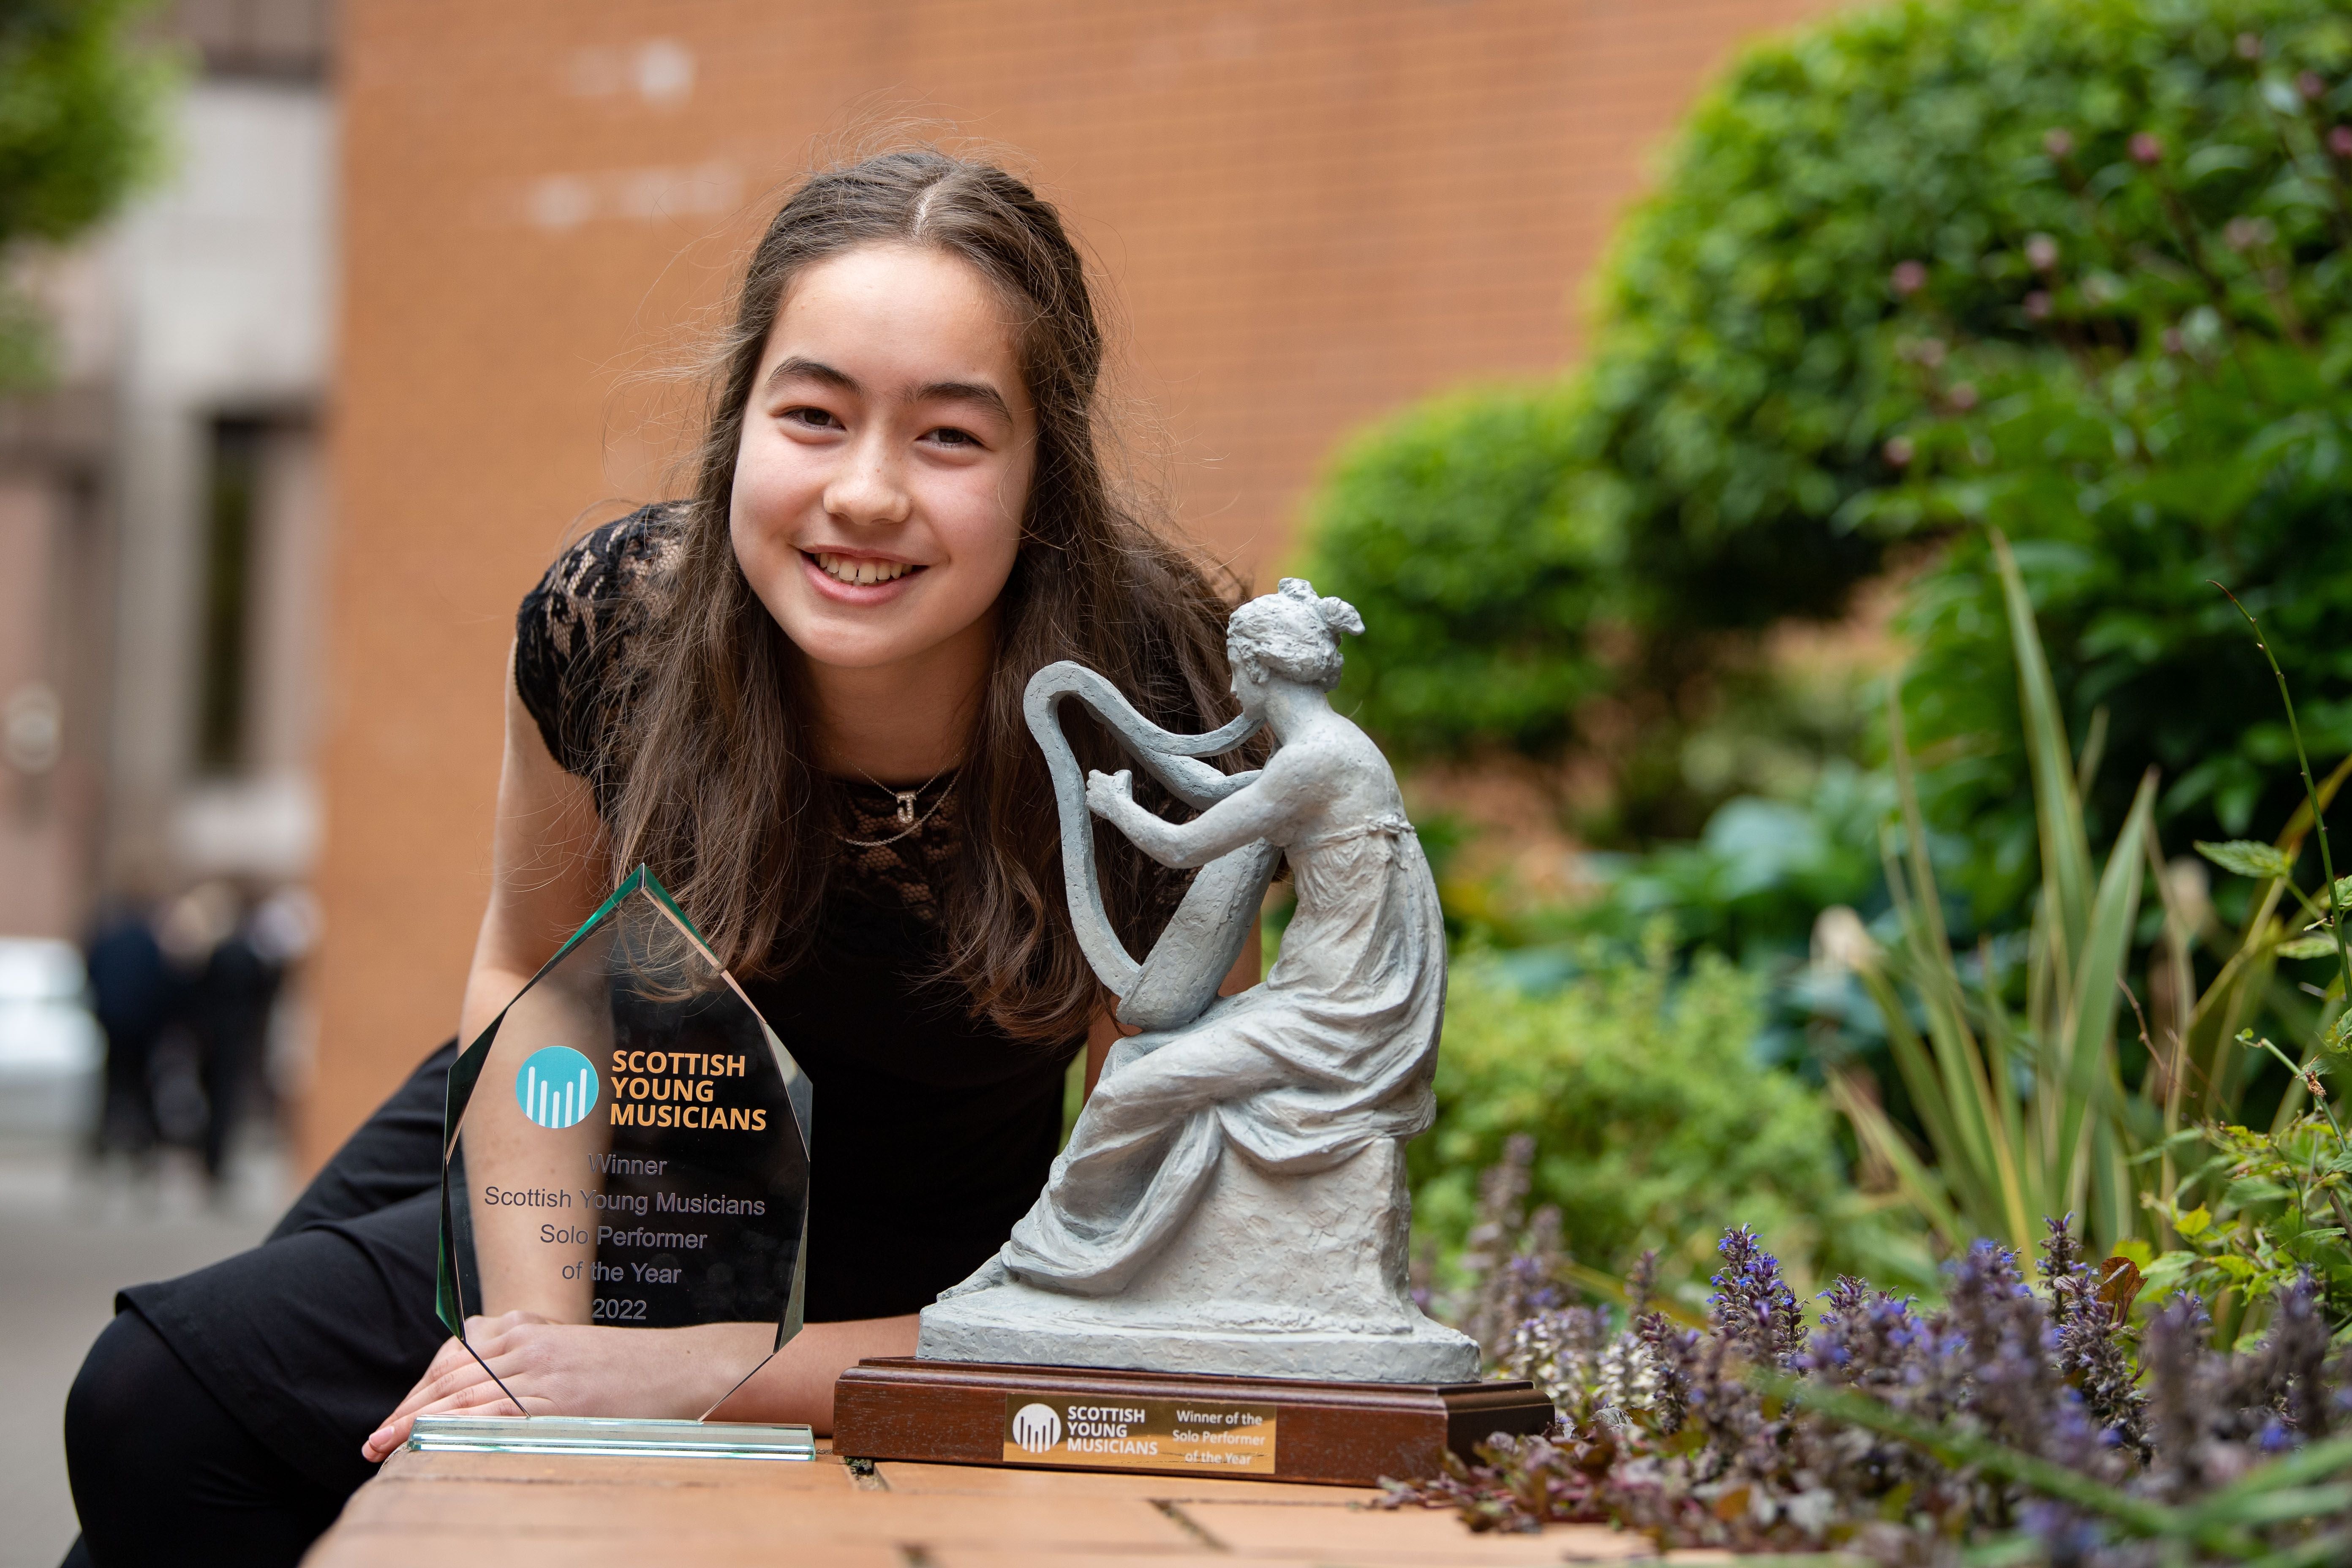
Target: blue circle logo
<point x="556" y="1087"/>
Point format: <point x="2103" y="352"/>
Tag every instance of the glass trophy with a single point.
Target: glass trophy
<point x="626" y="1145"/>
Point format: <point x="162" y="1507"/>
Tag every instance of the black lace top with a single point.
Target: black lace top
<point x="571" y="641"/>
<point x="931" y="1130"/>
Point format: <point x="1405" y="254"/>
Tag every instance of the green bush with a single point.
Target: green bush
<point x="2144" y="376"/>
<point x="1752" y="884"/>
<point x="1909" y="271"/>
<point x="1454" y="523"/>
<point x="80" y="125"/>
<point x="1654" y="1126"/>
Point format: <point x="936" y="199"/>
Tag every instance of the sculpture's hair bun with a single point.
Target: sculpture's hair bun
<point x="1293" y="634"/>
<point x="1336" y="613"/>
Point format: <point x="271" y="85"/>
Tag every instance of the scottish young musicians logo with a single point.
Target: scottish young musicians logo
<point x="556" y="1087"/>
<point x="1036" y="1429"/>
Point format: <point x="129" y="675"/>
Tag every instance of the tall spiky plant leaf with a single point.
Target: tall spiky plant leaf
<point x="2024" y="1114"/>
<point x="2066" y="874"/>
<point x="2084" y="1031"/>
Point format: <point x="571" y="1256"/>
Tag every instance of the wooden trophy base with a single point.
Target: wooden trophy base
<point x="1088" y="1418"/>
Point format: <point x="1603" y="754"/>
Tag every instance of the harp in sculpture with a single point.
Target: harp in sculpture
<point x="1179" y="978"/>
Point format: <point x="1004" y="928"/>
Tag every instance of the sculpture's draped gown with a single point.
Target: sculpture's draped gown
<point x="1331" y="1053"/>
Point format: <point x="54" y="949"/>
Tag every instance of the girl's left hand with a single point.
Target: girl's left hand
<point x="573" y="1369"/>
<point x="1106" y="793"/>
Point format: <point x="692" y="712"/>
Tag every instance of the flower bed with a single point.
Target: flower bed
<point x="2011" y="1425"/>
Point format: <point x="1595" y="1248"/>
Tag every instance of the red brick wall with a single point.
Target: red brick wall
<point x="1312" y="210"/>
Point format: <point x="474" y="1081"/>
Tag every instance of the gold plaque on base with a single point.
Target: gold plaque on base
<point x="1214" y="1436"/>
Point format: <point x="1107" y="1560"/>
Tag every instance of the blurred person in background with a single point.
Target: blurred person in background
<point x="284" y="930"/>
<point x="225" y="957"/>
<point x="186" y="998"/>
<point x="228" y="1009"/>
<point x="193" y="928"/>
<point x="134" y="992"/>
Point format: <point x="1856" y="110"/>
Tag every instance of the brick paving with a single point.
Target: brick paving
<point x="523" y="1512"/>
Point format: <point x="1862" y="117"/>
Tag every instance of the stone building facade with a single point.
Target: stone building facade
<point x="162" y="508"/>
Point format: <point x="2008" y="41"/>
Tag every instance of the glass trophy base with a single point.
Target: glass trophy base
<point x="619" y="1438"/>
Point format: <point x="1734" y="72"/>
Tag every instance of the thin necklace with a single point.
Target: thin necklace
<point x="906" y="812"/>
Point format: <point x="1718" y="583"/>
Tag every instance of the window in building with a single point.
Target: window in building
<point x="284" y="40"/>
<point x="232" y="506"/>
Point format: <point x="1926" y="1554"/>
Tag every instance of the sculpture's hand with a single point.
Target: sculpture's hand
<point x="1107" y="793"/>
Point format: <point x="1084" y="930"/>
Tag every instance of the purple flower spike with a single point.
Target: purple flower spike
<point x="1752" y="1304"/>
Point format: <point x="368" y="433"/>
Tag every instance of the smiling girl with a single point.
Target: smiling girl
<point x="796" y="694"/>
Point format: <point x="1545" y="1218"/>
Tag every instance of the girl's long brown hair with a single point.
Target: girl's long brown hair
<point x="712" y="760"/>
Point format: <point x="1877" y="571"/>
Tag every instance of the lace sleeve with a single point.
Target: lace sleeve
<point x="573" y="631"/>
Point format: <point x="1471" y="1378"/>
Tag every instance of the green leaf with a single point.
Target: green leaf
<point x="2166" y="1274"/>
<point x="2194" y="1223"/>
<point x="2257" y="1190"/>
<point x="2306" y="947"/>
<point x="1956" y="1446"/>
<point x="2067" y="869"/>
<point x="2212" y="160"/>
<point x="2340" y="1033"/>
<point x="2248" y="858"/>
<point x="2297" y="1468"/>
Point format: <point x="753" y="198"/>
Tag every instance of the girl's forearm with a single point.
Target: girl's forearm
<point x="489" y="989"/>
<point x="797" y="1385"/>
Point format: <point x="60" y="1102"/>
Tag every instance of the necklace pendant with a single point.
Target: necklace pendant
<point x="905" y="805"/>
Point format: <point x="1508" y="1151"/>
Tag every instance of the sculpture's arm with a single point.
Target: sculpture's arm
<point x="1194" y="783"/>
<point x="1258" y="810"/>
<point x="1169" y="757"/>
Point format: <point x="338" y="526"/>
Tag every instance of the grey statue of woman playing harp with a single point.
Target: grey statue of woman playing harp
<point x="1232" y="1198"/>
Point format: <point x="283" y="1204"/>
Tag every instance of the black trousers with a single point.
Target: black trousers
<point x="218" y="1418"/>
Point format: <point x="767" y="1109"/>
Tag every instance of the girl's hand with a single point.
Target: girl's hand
<point x="1107" y="793"/>
<point x="573" y="1369"/>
